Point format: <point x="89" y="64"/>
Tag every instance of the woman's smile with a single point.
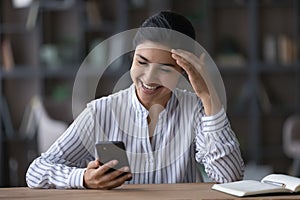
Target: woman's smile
<point x="150" y="89"/>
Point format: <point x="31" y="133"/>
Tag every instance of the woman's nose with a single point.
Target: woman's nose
<point x="151" y="74"/>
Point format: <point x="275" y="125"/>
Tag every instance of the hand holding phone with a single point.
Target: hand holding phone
<point x="96" y="176"/>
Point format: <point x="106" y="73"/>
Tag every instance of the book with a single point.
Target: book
<point x="269" y="49"/>
<point x="287" y="50"/>
<point x="7" y="55"/>
<point x="93" y="13"/>
<point x="270" y="184"/>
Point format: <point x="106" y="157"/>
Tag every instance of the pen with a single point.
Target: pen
<point x="275" y="183"/>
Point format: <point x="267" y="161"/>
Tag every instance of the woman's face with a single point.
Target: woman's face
<point x="154" y="73"/>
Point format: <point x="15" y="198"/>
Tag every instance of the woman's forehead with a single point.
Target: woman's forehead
<point x="152" y="55"/>
<point x="153" y="45"/>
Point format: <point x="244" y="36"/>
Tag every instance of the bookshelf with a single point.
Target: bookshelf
<point x="262" y="88"/>
<point x="254" y="44"/>
<point x="45" y="57"/>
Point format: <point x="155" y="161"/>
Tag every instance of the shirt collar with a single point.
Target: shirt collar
<point x="136" y="102"/>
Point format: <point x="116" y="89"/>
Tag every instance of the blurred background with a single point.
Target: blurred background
<point x="253" y="42"/>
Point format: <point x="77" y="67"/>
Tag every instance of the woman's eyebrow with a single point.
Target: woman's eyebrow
<point x="142" y="57"/>
<point x="147" y="60"/>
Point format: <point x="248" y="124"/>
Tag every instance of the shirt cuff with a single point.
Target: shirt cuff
<point x="76" y="178"/>
<point x="215" y="122"/>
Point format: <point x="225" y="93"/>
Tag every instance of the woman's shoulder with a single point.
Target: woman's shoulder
<point x="116" y="97"/>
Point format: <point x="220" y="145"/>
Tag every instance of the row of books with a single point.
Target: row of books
<point x="276" y="49"/>
<point x="280" y="49"/>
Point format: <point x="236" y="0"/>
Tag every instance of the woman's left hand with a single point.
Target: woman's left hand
<point x="199" y="79"/>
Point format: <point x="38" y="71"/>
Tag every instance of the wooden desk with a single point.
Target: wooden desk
<point x="143" y="192"/>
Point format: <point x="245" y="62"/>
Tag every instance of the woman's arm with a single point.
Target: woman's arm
<point x="218" y="149"/>
<point x="63" y="165"/>
<point x="216" y="145"/>
<point x="70" y="161"/>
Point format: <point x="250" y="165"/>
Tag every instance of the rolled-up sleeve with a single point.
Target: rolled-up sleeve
<point x="218" y="149"/>
<point x="64" y="163"/>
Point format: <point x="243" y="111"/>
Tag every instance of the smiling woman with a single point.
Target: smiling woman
<point x="167" y="131"/>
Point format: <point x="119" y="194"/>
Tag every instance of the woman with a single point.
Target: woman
<point x="167" y="131"/>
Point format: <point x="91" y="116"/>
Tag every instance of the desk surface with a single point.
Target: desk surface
<point x="143" y="192"/>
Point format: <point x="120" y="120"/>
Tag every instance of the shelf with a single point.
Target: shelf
<point x="63" y="72"/>
<point x="276" y="4"/>
<point x="20" y="72"/>
<point x="13" y="29"/>
<point x="30" y="72"/>
<point x="278" y="68"/>
<point x="105" y="26"/>
<point x="230" y="4"/>
<point x="227" y="70"/>
<point x="55" y="5"/>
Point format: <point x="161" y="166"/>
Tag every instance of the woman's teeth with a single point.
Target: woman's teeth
<point x="149" y="87"/>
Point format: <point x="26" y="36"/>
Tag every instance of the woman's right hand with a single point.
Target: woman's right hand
<point x="95" y="176"/>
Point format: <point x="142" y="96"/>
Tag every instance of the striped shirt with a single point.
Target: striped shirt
<point x="183" y="137"/>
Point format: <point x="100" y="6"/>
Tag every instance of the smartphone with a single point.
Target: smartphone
<point x="112" y="150"/>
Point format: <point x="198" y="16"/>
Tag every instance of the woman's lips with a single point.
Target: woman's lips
<point x="150" y="89"/>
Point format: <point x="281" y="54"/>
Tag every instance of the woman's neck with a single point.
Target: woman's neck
<point x="153" y="116"/>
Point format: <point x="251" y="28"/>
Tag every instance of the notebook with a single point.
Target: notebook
<point x="273" y="183"/>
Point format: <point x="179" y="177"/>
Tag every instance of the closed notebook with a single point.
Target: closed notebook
<point x="273" y="183"/>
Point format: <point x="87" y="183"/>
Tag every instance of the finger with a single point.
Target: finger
<point x="104" y="168"/>
<point x="182" y="62"/>
<point x="118" y="181"/>
<point x="115" y="178"/>
<point x="193" y="71"/>
<point x="93" y="164"/>
<point x="182" y="52"/>
<point x="115" y="174"/>
<point x="190" y="57"/>
<point x="118" y="172"/>
<point x="184" y="59"/>
<point x="202" y="58"/>
<point x="186" y="66"/>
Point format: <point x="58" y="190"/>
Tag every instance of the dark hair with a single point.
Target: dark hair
<point x="161" y="27"/>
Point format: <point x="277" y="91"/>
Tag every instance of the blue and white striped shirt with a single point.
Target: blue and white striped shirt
<point x="182" y="137"/>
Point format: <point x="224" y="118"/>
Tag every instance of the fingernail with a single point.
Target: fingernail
<point x="114" y="162"/>
<point x="126" y="169"/>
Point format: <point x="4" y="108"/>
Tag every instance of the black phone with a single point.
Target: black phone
<point x="112" y="150"/>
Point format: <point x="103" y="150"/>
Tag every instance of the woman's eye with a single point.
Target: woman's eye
<point x="142" y="63"/>
<point x="166" y="69"/>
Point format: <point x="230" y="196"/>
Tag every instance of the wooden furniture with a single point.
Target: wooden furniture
<point x="157" y="191"/>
